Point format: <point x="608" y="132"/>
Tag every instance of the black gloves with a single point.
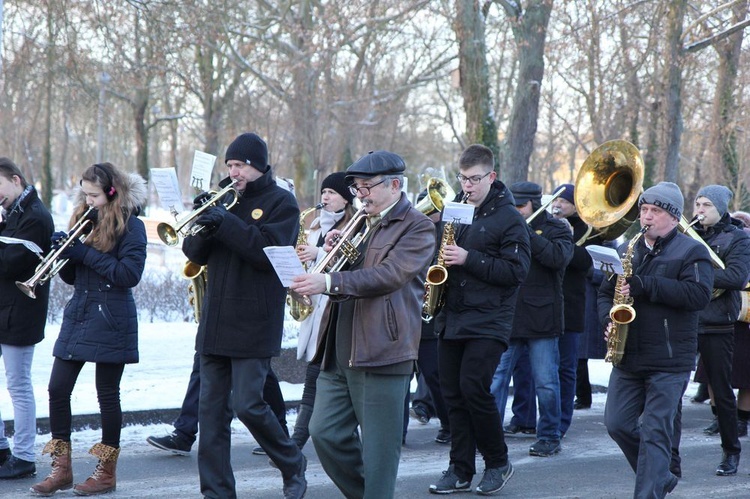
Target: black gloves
<point x="201" y="199"/>
<point x="75" y="253"/>
<point x="58" y="238"/>
<point x="211" y="219"/>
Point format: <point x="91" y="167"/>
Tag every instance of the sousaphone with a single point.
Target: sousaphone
<point x="607" y="188"/>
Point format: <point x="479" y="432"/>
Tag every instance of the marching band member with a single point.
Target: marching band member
<point x="487" y="264"/>
<point x="100" y="322"/>
<point x="671" y="282"/>
<point x="369" y="334"/>
<point x="242" y="319"/>
<point x="22" y="327"/>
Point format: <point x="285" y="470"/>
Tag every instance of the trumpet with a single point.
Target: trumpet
<point x="185" y="226"/>
<point x="51" y="264"/>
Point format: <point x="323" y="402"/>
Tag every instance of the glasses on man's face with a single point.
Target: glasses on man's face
<point x="364" y="190"/>
<point x="474" y="180"/>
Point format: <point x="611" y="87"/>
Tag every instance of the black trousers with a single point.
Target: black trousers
<point x="466" y="369"/>
<point x="63" y="379"/>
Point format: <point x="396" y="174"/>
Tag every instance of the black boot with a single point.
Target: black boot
<point x="728" y="465"/>
<point x="301" y="432"/>
<point x="701" y="395"/>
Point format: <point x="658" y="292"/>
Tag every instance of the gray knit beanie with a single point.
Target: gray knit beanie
<point x="665" y="195"/>
<point x="718" y="195"/>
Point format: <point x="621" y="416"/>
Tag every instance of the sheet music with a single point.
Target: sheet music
<point x="605" y="259"/>
<point x="285" y="262"/>
<point x="29" y="245"/>
<point x="168" y="188"/>
<point x="458" y="213"/>
<point x="200" y="175"/>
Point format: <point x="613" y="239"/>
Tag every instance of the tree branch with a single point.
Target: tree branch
<point x="695" y="47"/>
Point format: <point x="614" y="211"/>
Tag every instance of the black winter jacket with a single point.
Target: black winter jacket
<point x="22" y="319"/>
<point x="732" y="245"/>
<point x="539" y="310"/>
<point x="674" y="281"/>
<point x="481" y="294"/>
<point x="243" y="307"/>
<point x="574" y="282"/>
<point x="100" y="322"/>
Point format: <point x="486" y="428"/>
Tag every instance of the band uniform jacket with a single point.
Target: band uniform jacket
<point x="481" y="294"/>
<point x="732" y="245"/>
<point x="676" y="278"/>
<point x="243" y="306"/>
<point x="22" y="319"/>
<point x="387" y="286"/>
<point x="539" y="310"/>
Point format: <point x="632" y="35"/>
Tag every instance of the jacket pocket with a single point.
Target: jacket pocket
<point x="391" y="320"/>
<point x="107" y="316"/>
<point x="539" y="311"/>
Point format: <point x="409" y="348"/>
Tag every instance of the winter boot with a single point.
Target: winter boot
<point x="104" y="478"/>
<point x="61" y="476"/>
<point x="301" y="432"/>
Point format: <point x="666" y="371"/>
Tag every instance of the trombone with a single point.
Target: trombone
<point x="170" y="234"/>
<point x="51" y="264"/>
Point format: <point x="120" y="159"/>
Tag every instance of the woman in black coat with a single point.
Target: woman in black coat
<point x="100" y="323"/>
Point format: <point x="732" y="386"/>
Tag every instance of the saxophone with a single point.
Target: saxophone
<point x="622" y="312"/>
<point x="434" y="283"/>
<point x="301" y="311"/>
<point x="198" y="275"/>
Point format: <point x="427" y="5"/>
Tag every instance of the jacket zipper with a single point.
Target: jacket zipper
<point x="666" y="334"/>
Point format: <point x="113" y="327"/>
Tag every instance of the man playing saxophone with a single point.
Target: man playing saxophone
<point x="671" y="282"/>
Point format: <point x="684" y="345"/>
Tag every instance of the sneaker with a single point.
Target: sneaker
<point x="713" y="428"/>
<point x="296" y="485"/>
<point x="17" y="468"/>
<point x="494" y="480"/>
<point x="545" y="448"/>
<point x="443" y="436"/>
<point x="450" y="483"/>
<point x="171" y="443"/>
<point x="514" y="429"/>
<point x="258" y="451"/>
<point x="419" y="413"/>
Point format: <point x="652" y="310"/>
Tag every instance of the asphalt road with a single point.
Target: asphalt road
<point x="590" y="466"/>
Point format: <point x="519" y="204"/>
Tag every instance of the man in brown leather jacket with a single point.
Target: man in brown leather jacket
<point x="369" y="335"/>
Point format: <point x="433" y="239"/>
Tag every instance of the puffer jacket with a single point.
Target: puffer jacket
<point x="539" y="309"/>
<point x="674" y="281"/>
<point x="481" y="294"/>
<point x="243" y="306"/>
<point x="100" y="321"/>
<point x="22" y="319"/>
<point x="732" y="245"/>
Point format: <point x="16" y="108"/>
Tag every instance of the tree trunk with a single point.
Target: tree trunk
<point x="474" y="75"/>
<point x="673" y="90"/>
<point x="139" y="105"/>
<point x="46" y="194"/>
<point x="530" y="31"/>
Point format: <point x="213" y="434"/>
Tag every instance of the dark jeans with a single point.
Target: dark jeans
<point x="568" y="347"/>
<point x="243" y="379"/>
<point x="524" y="393"/>
<point x="466" y="370"/>
<point x="61" y="382"/>
<point x="186" y="424"/>
<point x="428" y="367"/>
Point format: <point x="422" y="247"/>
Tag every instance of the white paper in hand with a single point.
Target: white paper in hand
<point x="458" y="213"/>
<point x="605" y="259"/>
<point x="285" y="262"/>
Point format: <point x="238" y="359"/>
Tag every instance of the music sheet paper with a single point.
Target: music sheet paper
<point x="285" y="262"/>
<point x="168" y="189"/>
<point x="605" y="259"/>
<point x="458" y="213"/>
<point x="203" y="166"/>
<point x="29" y="245"/>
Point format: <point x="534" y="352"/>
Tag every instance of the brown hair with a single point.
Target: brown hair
<point x="8" y="169"/>
<point x="111" y="220"/>
<point x="477" y="155"/>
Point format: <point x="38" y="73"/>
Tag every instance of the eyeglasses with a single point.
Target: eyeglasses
<point x="472" y="180"/>
<point x="365" y="189"/>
